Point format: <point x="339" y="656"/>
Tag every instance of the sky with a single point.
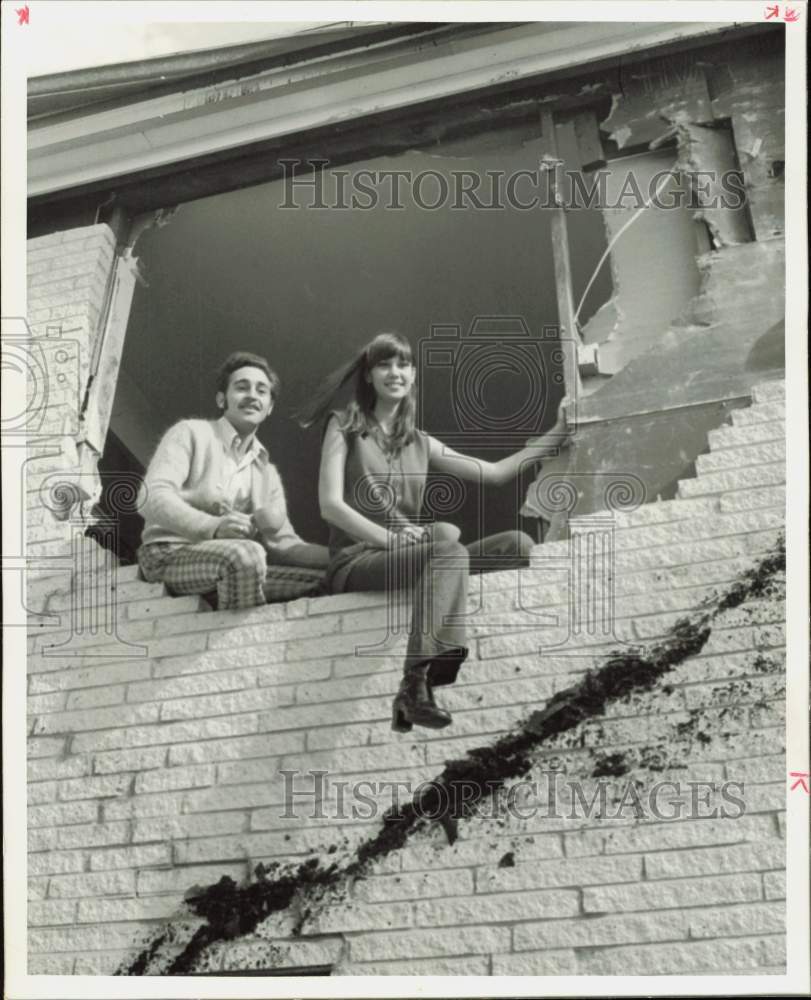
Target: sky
<point x="61" y="36"/>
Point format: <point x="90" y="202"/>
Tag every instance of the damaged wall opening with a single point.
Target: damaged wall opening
<point x="307" y="286"/>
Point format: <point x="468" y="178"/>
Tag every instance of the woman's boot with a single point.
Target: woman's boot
<point x="414" y="704"/>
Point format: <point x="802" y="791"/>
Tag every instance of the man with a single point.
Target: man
<point x="214" y="505"/>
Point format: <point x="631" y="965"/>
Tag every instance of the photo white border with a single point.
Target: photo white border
<point x="17" y="53"/>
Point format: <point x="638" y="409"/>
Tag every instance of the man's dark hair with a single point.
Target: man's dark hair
<point x="240" y="359"/>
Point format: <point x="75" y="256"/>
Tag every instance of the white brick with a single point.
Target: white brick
<point x="266" y="845"/>
<point x="243" y="796"/>
<point x="348" y="761"/>
<point x="547" y="874"/>
<point x="415" y="885"/>
<point x="339" y="918"/>
<point x="52" y="911"/>
<point x="351" y="666"/>
<point x="758" y="414"/>
<point x="60" y="814"/>
<point x="731" y="436"/>
<point x="221" y="659"/>
<point x="93" y="835"/>
<point x="238" y="749"/>
<point x="733" y="479"/>
<point x="179" y="732"/>
<point x="496" y="907"/>
<point x="100" y="718"/>
<point x="757" y="769"/>
<point x="44" y="703"/>
<point x="82" y="939"/>
<point x="467" y="966"/>
<point x="101" y="963"/>
<point x="675" y="958"/>
<point x="601" y="931"/>
<point x="183" y="827"/>
<point x="101" y="786"/>
<point x="720" y="860"/>
<point x="303" y="670"/>
<point x="313" y="716"/>
<point x="97" y="643"/>
<point x="424" y="943"/>
<point x="272" y="633"/>
<point x="255" y="953"/>
<point x="172" y="778"/>
<point x="769" y="391"/>
<point x="174" y="645"/>
<point x="189" y="685"/>
<point x="774" y="884"/>
<point x="337" y="603"/>
<point x="674" y="893"/>
<point x="40" y="792"/>
<point x="143" y="806"/>
<point x="479" y="850"/>
<point x="536" y="963"/>
<point x="345" y="645"/>
<point x="107" y="911"/>
<point x="50" y="965"/>
<point x="216" y="621"/>
<point x="225" y="704"/>
<point x="55" y="862"/>
<point x="688" y="833"/>
<point x="95" y="697"/>
<point x="139" y="856"/>
<point x="178" y="880"/>
<point x="710" y="526"/>
<point x="767" y="496"/>
<point x="140" y="758"/>
<point x="753" y="688"/>
<point x="112" y="883"/>
<point x="45" y="746"/>
<point x="176" y="607"/>
<point x="342" y="690"/>
<point x="766" y="798"/>
<point x="734" y="921"/>
<point x="100" y="677"/>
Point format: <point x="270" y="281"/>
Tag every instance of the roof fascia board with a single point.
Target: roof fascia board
<point x="180" y="126"/>
<point x="106" y="88"/>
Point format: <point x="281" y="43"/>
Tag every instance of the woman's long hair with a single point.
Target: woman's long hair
<point x="358" y="417"/>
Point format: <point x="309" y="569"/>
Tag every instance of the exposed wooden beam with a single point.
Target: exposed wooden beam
<point x="185" y="125"/>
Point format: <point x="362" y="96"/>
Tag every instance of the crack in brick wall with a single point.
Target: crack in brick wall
<point x="230" y="911"/>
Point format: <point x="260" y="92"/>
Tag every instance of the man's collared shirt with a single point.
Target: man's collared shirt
<point x="236" y="484"/>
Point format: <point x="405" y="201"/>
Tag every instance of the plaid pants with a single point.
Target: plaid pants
<point x="236" y="567"/>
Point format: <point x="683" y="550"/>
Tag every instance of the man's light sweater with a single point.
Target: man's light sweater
<point x="183" y="496"/>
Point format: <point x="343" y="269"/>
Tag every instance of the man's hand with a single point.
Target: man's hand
<point x="234" y="525"/>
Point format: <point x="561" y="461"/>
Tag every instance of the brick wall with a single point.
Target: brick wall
<point x="157" y="768"/>
<point x="68" y="275"/>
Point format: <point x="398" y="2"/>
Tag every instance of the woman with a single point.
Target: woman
<point x="374" y="464"/>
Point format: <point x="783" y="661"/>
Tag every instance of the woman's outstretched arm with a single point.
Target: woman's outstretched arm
<point x="334" y="508"/>
<point x="445" y="459"/>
